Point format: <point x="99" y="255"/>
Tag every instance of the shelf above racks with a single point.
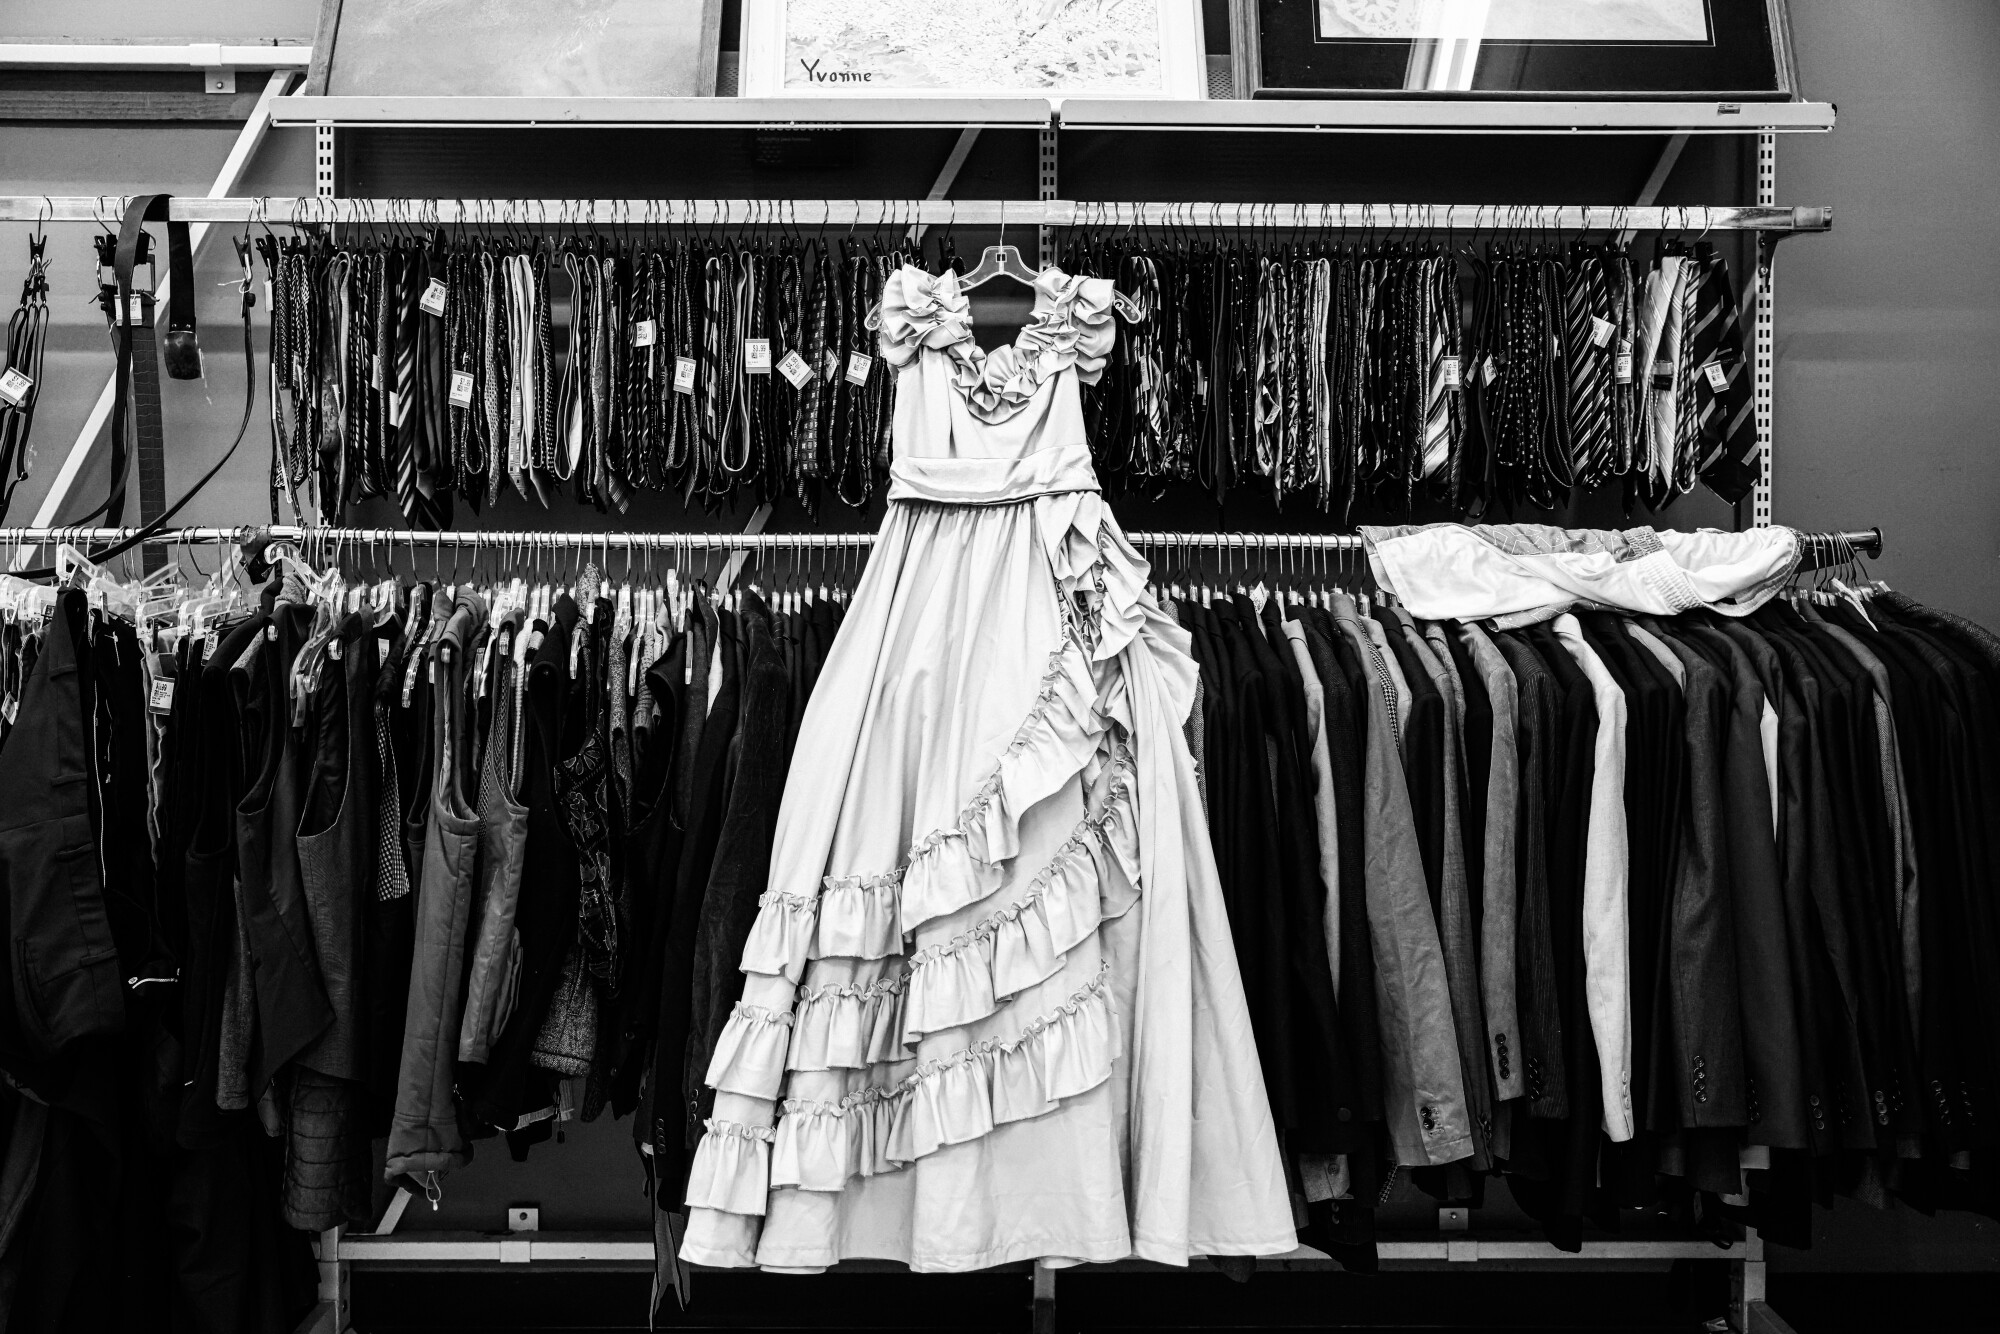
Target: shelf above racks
<point x="899" y="213"/>
<point x="1292" y="115"/>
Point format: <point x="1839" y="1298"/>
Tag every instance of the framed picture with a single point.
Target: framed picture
<point x="972" y="48"/>
<point x="1638" y="49"/>
<point x="578" y="48"/>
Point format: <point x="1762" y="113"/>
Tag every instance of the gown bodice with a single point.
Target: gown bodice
<point x="979" y="427"/>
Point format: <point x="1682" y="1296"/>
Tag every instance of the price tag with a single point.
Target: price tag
<point x="14" y="387"/>
<point x="138" y="308"/>
<point x="1601" y="330"/>
<point x="645" y="333"/>
<point x="757" y="356"/>
<point x="1621" y="365"/>
<point x="375" y="371"/>
<point x="1491" y="370"/>
<point x="858" y="366"/>
<point x="1718" y="379"/>
<point x="461" y="389"/>
<point x="1663" y="373"/>
<point x="1448" y="372"/>
<point x="793" y="367"/>
<point x="829" y="365"/>
<point x="684" y="375"/>
<point x="9" y="709"/>
<point x="269" y="304"/>
<point x="160" y="699"/>
<point x="432" y="301"/>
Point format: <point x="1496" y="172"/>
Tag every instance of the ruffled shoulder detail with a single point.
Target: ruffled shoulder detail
<point x="1071" y="329"/>
<point x="919" y="310"/>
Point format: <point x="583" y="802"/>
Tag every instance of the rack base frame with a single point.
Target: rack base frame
<point x="340" y="1252"/>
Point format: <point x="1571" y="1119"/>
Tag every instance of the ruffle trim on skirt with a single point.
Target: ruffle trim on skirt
<point x="944" y="1101"/>
<point x="968" y="977"/>
<point x="868" y="917"/>
<point x="731" y="1164"/>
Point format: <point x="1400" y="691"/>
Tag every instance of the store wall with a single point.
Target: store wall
<point x="1889" y="329"/>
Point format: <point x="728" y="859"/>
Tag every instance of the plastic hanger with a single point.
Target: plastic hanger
<point x="999" y="261"/>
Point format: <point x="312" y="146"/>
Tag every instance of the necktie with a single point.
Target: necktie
<point x="1727" y="430"/>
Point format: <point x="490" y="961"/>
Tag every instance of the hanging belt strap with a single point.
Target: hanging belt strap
<point x="136" y="381"/>
<point x="155" y="522"/>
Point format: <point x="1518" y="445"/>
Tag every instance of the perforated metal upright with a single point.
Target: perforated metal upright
<point x="1763" y="335"/>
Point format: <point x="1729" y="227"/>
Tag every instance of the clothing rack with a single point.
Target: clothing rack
<point x="1820" y="548"/>
<point x="803" y="214"/>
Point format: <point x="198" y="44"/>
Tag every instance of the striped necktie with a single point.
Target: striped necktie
<point x="1686" y="435"/>
<point x="1585" y="310"/>
<point x="1438" y="310"/>
<point x="1727" y="447"/>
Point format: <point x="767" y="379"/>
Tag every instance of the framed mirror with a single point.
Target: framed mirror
<point x="1613" y="49"/>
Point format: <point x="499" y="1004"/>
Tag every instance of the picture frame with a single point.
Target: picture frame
<point x="475" y="48"/>
<point x="972" y="48"/>
<point x="1664" y="50"/>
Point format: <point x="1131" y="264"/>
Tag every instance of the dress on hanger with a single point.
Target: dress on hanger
<point x="991" y="1010"/>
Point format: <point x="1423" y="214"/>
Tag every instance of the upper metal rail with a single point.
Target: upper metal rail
<point x="904" y="213"/>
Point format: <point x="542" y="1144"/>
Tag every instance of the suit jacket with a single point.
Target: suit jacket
<point x="741" y="867"/>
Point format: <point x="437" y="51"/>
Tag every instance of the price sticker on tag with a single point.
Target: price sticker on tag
<point x="684" y="375"/>
<point x="1621" y="365"/>
<point x="160" y="699"/>
<point x="432" y="301"/>
<point x="1448" y="372"/>
<point x="1491" y="370"/>
<point x="138" y="308"/>
<point x="829" y="365"/>
<point x="793" y="367"/>
<point x="1601" y="330"/>
<point x="1663" y="373"/>
<point x="757" y="356"/>
<point x="858" y="366"/>
<point x="645" y="333"/>
<point x="1718" y="379"/>
<point x="14" y="387"/>
<point x="461" y="389"/>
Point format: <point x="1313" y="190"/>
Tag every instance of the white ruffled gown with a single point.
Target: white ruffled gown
<point x="992" y="1012"/>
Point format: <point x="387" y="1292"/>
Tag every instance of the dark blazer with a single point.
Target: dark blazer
<point x="1705" y="1071"/>
<point x="1830" y="1051"/>
<point x="708" y="792"/>
<point x="1333" y="660"/>
<point x="1541" y="1019"/>
<point x="737" y="877"/>
<point x="1774" y="1103"/>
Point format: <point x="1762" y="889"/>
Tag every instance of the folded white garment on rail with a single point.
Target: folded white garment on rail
<point x="1521" y="573"/>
